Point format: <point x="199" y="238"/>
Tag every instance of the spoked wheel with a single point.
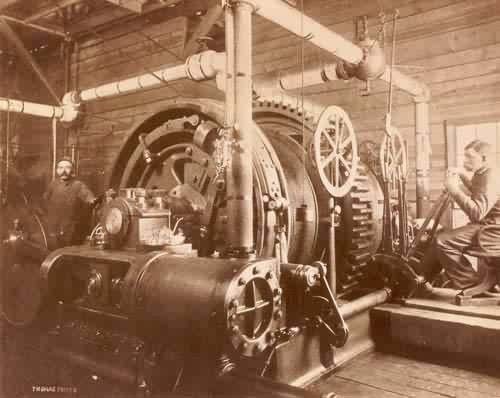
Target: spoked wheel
<point x="335" y="151"/>
<point x="21" y="299"/>
<point x="393" y="156"/>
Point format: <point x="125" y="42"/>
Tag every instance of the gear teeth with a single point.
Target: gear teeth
<point x="285" y="108"/>
<point x="359" y="255"/>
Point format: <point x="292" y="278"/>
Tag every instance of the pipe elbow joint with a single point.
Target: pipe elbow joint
<point x="425" y="95"/>
<point x="205" y="65"/>
<point x="70" y="107"/>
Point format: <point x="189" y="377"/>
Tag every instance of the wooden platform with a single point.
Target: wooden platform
<point x="470" y="334"/>
<point x="381" y="375"/>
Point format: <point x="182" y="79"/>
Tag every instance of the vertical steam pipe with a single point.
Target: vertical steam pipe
<point x="54" y="147"/>
<point x="239" y="176"/>
<point x="422" y="149"/>
<point x="230" y="68"/>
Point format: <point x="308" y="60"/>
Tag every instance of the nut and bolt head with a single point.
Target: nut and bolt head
<point x="255" y="270"/>
<point x="277" y="292"/>
<point x="269" y="275"/>
<point x="278" y="314"/>
<point x="233" y="303"/>
<point x="242" y="281"/>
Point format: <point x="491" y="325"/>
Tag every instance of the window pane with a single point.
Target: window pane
<point x="465" y="134"/>
<point x="488" y="132"/>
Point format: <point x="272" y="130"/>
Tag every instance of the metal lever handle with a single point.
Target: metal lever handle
<point x="334" y="324"/>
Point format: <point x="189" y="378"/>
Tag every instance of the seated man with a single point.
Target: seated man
<point x="478" y="197"/>
<point x="68" y="202"/>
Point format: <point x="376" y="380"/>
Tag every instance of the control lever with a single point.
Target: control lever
<point x="332" y="322"/>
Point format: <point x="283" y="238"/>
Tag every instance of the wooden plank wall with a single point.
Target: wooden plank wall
<point x="124" y="51"/>
<point x="454" y="46"/>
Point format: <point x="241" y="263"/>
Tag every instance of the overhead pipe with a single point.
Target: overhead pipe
<point x="202" y="66"/>
<point x="334" y="71"/>
<point x="296" y="22"/>
<point x="31" y="108"/>
<point x="197" y="67"/>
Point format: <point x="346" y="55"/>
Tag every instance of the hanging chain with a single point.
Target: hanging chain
<point x="224" y="146"/>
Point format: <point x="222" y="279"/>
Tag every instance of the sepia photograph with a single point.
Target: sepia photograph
<point x="249" y="198"/>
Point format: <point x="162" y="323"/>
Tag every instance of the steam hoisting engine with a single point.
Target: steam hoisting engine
<point x="153" y="299"/>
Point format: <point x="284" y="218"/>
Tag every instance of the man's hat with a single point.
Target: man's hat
<point x="65" y="159"/>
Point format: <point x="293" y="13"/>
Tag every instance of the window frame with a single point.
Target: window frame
<point x="450" y="130"/>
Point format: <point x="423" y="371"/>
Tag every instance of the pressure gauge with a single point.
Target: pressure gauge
<point x="113" y="221"/>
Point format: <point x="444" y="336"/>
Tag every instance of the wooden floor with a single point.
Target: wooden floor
<point x="380" y="375"/>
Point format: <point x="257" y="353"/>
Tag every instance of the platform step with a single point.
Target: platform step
<point x="439" y="327"/>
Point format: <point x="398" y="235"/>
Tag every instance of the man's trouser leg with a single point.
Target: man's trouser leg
<point x="450" y="246"/>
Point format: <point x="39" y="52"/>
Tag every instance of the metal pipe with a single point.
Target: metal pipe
<point x="311" y="77"/>
<point x="364" y="303"/>
<point x="34" y="26"/>
<point x="197" y="67"/>
<point x="54" y="147"/>
<point x="423" y="156"/>
<point x="292" y="19"/>
<point x="239" y="177"/>
<point x="406" y="83"/>
<point x="327" y="73"/>
<point x="229" y="88"/>
<point x="147" y="80"/>
<point x="31" y="108"/>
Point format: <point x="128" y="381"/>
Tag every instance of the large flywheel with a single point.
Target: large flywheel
<point x="22" y="247"/>
<point x="181" y="138"/>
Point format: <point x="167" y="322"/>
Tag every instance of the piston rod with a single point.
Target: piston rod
<point x="364" y="303"/>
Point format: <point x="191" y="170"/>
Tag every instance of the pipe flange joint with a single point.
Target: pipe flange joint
<point x="233" y="3"/>
<point x="424" y="96"/>
<point x="202" y="66"/>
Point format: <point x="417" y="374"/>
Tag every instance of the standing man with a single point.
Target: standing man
<point x="478" y="197"/>
<point x="68" y="202"/>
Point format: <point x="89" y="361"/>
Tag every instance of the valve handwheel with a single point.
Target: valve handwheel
<point x="393" y="154"/>
<point x="335" y="151"/>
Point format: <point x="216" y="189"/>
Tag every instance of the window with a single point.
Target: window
<point x="458" y="135"/>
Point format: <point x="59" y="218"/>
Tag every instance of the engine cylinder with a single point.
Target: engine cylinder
<point x="191" y="302"/>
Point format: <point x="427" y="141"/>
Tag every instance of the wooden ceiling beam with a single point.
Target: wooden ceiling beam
<point x="203" y="28"/>
<point x="131" y="5"/>
<point x="54" y="8"/>
<point x="7" y="3"/>
<point x="12" y="36"/>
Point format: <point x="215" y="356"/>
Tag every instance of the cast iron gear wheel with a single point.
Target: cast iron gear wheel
<point x="360" y="231"/>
